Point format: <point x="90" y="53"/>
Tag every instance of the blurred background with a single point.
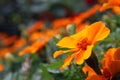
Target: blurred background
<point x="26" y="12"/>
<point x="34" y="26"/>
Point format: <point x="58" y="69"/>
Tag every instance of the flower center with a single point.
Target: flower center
<point x="83" y="44"/>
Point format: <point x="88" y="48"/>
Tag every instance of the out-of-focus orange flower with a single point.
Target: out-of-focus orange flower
<point x="20" y="42"/>
<point x="116" y="9"/>
<point x="46" y="35"/>
<point x="111" y="66"/>
<point x="33" y="48"/>
<point x="81" y="43"/>
<point x="38" y="40"/>
<point x="58" y="23"/>
<point x="78" y="19"/>
<point x="1" y="67"/>
<point x="114" y="4"/>
<point x="112" y="61"/>
<point x="82" y="16"/>
<point x="35" y="27"/>
<point x="35" y="36"/>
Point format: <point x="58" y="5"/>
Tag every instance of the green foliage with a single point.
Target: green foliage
<point x="45" y="74"/>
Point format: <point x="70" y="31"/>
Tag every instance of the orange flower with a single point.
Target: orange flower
<point x="20" y="42"/>
<point x="35" y="36"/>
<point x="16" y="46"/>
<point x="114" y="4"/>
<point x="87" y="70"/>
<point x="111" y="66"/>
<point x="81" y="43"/>
<point x="112" y="61"/>
<point x="116" y="9"/>
<point x="46" y="35"/>
<point x="33" y="48"/>
<point x="78" y="19"/>
<point x="91" y="74"/>
<point x="1" y="67"/>
<point x="58" y="23"/>
<point x="38" y="40"/>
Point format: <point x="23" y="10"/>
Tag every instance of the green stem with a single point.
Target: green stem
<point x="92" y="61"/>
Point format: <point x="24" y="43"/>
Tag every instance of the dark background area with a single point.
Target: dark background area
<point x="16" y="12"/>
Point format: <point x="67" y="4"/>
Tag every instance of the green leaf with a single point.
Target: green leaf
<point x="45" y="74"/>
<point x="55" y="65"/>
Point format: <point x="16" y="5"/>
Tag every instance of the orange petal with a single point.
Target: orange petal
<point x="117" y="54"/>
<point x="27" y="49"/>
<point x="37" y="46"/>
<point x="104" y="7"/>
<point x="82" y="34"/>
<point x="87" y="53"/>
<point x="116" y="9"/>
<point x="79" y="57"/>
<point x="67" y="42"/>
<point x="68" y="60"/>
<point x="114" y="67"/>
<point x="114" y="2"/>
<point x="86" y="69"/>
<point x="84" y="55"/>
<point x="59" y="23"/>
<point x="109" y="56"/>
<point x="97" y="31"/>
<point x="58" y="53"/>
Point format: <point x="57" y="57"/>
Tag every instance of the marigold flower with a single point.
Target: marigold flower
<point x="33" y="48"/>
<point x="38" y="40"/>
<point x="111" y="61"/>
<point x="111" y="66"/>
<point x="46" y="35"/>
<point x="81" y="43"/>
<point x="20" y="42"/>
